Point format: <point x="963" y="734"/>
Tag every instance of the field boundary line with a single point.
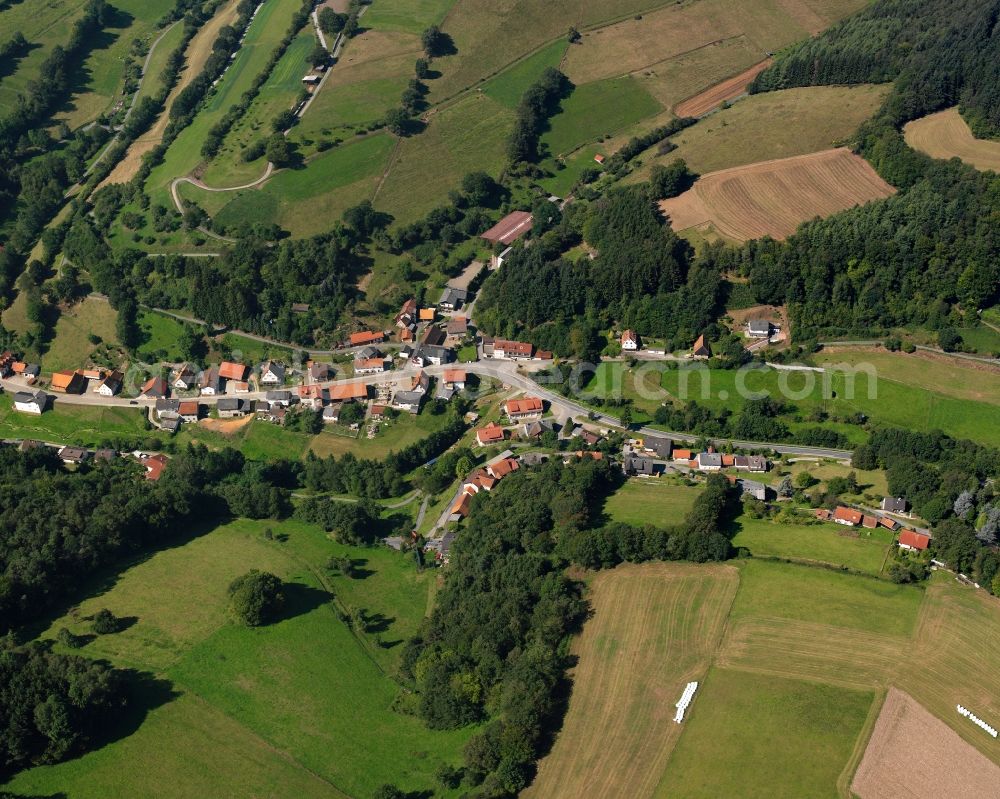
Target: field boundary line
<point x="846" y="776"/>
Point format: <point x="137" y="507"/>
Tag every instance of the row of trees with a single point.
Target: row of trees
<point x="538" y="103"/>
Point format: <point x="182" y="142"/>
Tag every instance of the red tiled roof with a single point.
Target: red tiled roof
<point x="847" y="515"/>
<point x="510" y="228"/>
<point x="232" y="371"/>
<point x="454" y="375"/>
<point x="490" y="434"/>
<point x="346" y="391"/>
<point x="516" y="347"/>
<point x="682" y="454"/>
<point x="523" y="405"/>
<point x="869" y="522"/>
<point x="188" y="408"/>
<point x="629" y="335"/>
<point x="461" y="506"/>
<point x="885" y="521"/>
<point x="370" y="363"/>
<point x="728" y="460"/>
<point x="911" y="538"/>
<point x="366" y="337"/>
<point x="502" y="468"/>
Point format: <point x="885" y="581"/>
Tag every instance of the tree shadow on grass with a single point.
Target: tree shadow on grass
<point x="299" y="600"/>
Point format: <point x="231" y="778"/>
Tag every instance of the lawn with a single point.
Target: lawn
<point x="595" y="110"/>
<point x="760" y="736"/>
<point x="297" y="704"/>
<point x="659" y="502"/>
<point x="160" y="334"/>
<point x="654" y="627"/>
<point x="393" y="436"/>
<point x="862" y="550"/>
<point x="70" y="347"/>
<point x="264" y="441"/>
<point x="247" y="350"/>
<point x="771" y="125"/>
<point x="796" y="593"/>
<point x="73" y="424"/>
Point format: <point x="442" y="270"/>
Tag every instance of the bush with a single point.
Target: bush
<point x="256" y="598"/>
<point x="105" y="622"/>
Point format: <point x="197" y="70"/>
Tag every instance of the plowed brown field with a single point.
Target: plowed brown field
<point x="716" y="95"/>
<point x="946" y="135"/>
<point x="943" y="765"/>
<point x="772" y="198"/>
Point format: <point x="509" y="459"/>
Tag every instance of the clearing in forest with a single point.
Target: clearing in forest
<point x="946" y="135"/>
<point x="773" y="198"/>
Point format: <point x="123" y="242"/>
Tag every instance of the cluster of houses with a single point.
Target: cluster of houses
<point x="651" y="456"/>
<point x="12" y="366"/>
<point x="152" y="462"/>
<point x="524" y="411"/>
<point x="908" y="539"/>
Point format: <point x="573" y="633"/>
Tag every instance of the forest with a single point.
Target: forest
<point x="930" y="255"/>
<point x="493" y="651"/>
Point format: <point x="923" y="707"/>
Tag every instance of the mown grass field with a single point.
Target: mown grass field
<point x="70" y="346"/>
<point x="771" y="125"/>
<point x="655" y="627"/>
<point x="87" y="426"/>
<point x="860" y="550"/>
<point x="760" y="737"/>
<point x="946" y="135"/>
<point x="510" y="85"/>
<point x="393" y="436"/>
<point x="651" y="501"/>
<point x="298" y="705"/>
<point x="409" y="16"/>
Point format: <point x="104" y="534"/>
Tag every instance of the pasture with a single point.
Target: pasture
<point x="655" y="627"/>
<point x="643" y="42"/>
<point x="511" y="84"/>
<point x="651" y="501"/>
<point x="946" y="135"/>
<point x="307" y="200"/>
<point x="298" y="704"/>
<point x="860" y="550"/>
<point x="773" y="198"/>
<point x="793" y="737"/>
<point x="763" y="127"/>
<point x="409" y="16"/>
<point x="65" y="424"/>
<point x="70" y="347"/>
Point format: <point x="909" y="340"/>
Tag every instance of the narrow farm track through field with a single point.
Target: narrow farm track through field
<point x="729" y="89"/>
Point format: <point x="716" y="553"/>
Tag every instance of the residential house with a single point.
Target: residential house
<point x="501" y="468"/>
<point x="73" y="454"/>
<point x="154" y="464"/>
<point x="68" y="382"/>
<point x="458" y="326"/>
<point x="452" y="298"/>
<point x="751" y="463"/>
<point x="319" y="372"/>
<point x="377" y="412"/>
<point x="889" y="524"/>
<point x="523" y="409"/>
<point x="155" y="388"/>
<point x="344" y="392"/>
<point x="239" y="386"/>
<point x="184" y="378"/>
<point x="893" y="505"/>
<point x="369" y="366"/>
<point x="92" y="373"/>
<point x="661" y="447"/>
<point x="847" y="516"/>
<point x="511" y="350"/>
<point x="166" y="407"/>
<point x="434" y="336"/>
<point x="331" y="413"/>
<point x="588" y="437"/>
<point x="28" y="371"/>
<point x="701" y="349"/>
<point x="407" y="314"/>
<point x="272" y="373"/>
<point x="913" y="541"/>
<point x="641" y="467"/>
<point x="630" y="341"/>
<point x="455" y="379"/>
<point x="537" y="428"/>
<point x="314" y="396"/>
<point x="408" y="401"/>
<point x="753" y="488"/>
<point x="189" y="411"/>
<point x="510" y="228"/>
<point x="477" y="481"/>
<point x="433" y="356"/>
<point x="366" y="337"/>
<point x="211" y="383"/>
<point x="231" y="408"/>
<point x="682" y="455"/>
<point x="544" y="355"/>
<point x="491" y="434"/>
<point x="708" y="461"/>
<point x="281" y="397"/>
<point x="272" y="412"/>
<point x="30" y="401"/>
<point x="871" y="522"/>
<point x="228" y="370"/>
<point x="105" y="455"/>
<point x="420" y="383"/>
<point x="367" y="353"/>
<point x="111" y="384"/>
<point x="461" y="507"/>
<point x="172" y="424"/>
<point x="759" y="328"/>
<point x="426" y="315"/>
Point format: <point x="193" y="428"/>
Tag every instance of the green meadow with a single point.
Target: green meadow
<point x="408" y="16"/>
<point x="298" y="707"/>
<point x="650" y="501"/>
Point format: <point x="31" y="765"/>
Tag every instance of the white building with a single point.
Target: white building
<point x="30" y="401"/>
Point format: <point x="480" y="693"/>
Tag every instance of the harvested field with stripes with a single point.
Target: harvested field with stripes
<point x="946" y="135"/>
<point x="946" y="766"/>
<point x="713" y="97"/>
<point x="655" y="627"/>
<point x="773" y="198"/>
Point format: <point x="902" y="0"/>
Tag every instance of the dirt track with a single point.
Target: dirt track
<point x="716" y="95"/>
<point x="915" y="755"/>
<point x="772" y="198"/>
